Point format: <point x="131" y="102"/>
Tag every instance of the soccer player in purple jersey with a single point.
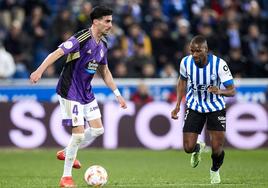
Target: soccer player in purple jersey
<point x="202" y="74"/>
<point x="87" y="53"/>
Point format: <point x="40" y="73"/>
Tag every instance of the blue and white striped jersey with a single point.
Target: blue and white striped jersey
<point x="215" y="73"/>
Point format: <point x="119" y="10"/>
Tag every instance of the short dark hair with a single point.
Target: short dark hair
<point x="99" y="12"/>
<point x="199" y="39"/>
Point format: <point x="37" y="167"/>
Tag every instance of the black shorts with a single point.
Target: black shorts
<point x="195" y="121"/>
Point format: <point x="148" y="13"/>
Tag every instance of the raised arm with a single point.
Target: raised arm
<point x="50" y="59"/>
<point x="109" y="81"/>
<point x="181" y="89"/>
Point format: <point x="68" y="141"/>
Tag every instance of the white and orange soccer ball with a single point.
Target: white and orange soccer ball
<point x="96" y="176"/>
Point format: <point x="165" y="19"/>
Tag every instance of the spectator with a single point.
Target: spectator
<point x="253" y="41"/>
<point x="181" y="36"/>
<point x="139" y="59"/>
<point x="37" y="27"/>
<point x="206" y="30"/>
<point x="162" y="45"/>
<point x="260" y="68"/>
<point x="136" y="36"/>
<point x="238" y="64"/>
<point x="168" y="71"/>
<point x="116" y="55"/>
<point x="121" y="70"/>
<point x="19" y="45"/>
<point x="142" y="95"/>
<point x="153" y="15"/>
<point x="7" y="64"/>
<point x="62" y="23"/>
<point x="83" y="19"/>
<point x="133" y="8"/>
<point x="114" y="38"/>
<point x="253" y="16"/>
<point x="148" y="71"/>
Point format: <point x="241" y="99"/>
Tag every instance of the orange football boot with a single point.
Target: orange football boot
<point x="67" y="182"/>
<point x="61" y="156"/>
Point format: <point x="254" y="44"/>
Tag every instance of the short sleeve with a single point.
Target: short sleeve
<point x="225" y="74"/>
<point x="183" y="73"/>
<point x="71" y="45"/>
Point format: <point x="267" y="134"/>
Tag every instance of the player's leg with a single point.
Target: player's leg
<point x="72" y="148"/>
<point x="217" y="156"/>
<point x="67" y="112"/>
<point x="216" y="127"/>
<point x="93" y="117"/>
<point x="73" y="115"/>
<point x="70" y="155"/>
<point x="193" y="125"/>
<point x="190" y="144"/>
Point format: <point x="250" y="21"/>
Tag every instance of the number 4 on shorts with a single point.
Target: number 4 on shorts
<point x="75" y="110"/>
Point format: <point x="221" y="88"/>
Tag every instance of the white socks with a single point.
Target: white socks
<point x="90" y="135"/>
<point x="70" y="153"/>
<point x="78" y="141"/>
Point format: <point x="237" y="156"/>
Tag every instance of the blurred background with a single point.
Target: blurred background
<point x="147" y="42"/>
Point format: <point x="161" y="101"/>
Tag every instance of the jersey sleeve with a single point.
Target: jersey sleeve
<point x="225" y="74"/>
<point x="71" y="45"/>
<point x="183" y="73"/>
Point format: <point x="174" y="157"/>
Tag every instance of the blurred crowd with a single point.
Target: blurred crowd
<point x="148" y="39"/>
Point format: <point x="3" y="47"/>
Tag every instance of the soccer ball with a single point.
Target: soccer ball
<point x="96" y="176"/>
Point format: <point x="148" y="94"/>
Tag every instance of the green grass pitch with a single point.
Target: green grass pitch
<point x="134" y="168"/>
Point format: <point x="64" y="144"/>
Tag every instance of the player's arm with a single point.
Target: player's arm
<point x="181" y="88"/>
<point x="226" y="79"/>
<point x="109" y="81"/>
<point x="229" y="90"/>
<point x="50" y="59"/>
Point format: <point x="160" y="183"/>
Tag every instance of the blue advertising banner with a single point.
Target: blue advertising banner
<point x="160" y="89"/>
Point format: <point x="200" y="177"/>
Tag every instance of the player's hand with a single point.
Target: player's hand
<point x="122" y="102"/>
<point x="174" y="113"/>
<point x="35" y="76"/>
<point x="214" y="90"/>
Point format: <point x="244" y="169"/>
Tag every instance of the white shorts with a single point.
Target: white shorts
<point x="74" y="114"/>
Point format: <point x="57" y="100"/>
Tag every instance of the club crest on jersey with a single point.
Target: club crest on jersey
<point x="89" y="51"/>
<point x="101" y="53"/>
<point x="75" y="120"/>
<point x="213" y="77"/>
<point x="91" y="67"/>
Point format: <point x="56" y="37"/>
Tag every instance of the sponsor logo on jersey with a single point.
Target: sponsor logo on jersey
<point x="92" y="67"/>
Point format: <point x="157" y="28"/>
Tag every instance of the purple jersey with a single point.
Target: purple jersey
<point x="84" y="57"/>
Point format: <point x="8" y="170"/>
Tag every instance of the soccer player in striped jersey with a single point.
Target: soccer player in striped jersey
<point x="201" y="75"/>
<point x="87" y="53"/>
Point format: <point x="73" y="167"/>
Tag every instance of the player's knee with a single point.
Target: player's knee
<point x="188" y="147"/>
<point x="97" y="131"/>
<point x="77" y="138"/>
